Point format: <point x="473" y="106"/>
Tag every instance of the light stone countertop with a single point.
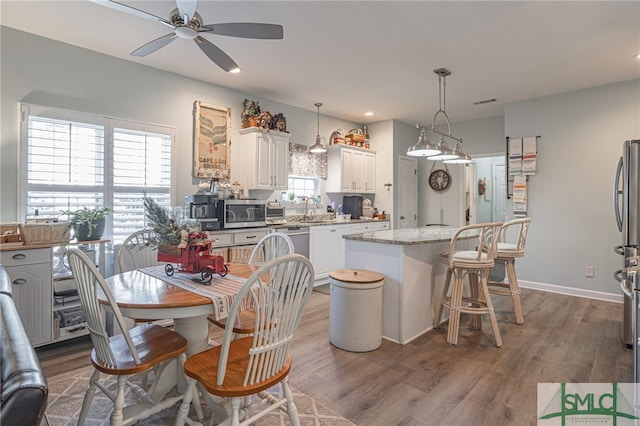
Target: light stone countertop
<point x="411" y="236"/>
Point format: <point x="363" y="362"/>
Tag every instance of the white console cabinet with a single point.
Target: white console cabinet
<point x="30" y="273"/>
<point x="351" y="169"/>
<point x="264" y="159"/>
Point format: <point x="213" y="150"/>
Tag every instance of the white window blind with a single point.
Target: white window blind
<point x="74" y="160"/>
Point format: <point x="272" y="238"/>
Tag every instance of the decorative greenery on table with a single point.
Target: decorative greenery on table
<point x="168" y="228"/>
<point x="86" y="218"/>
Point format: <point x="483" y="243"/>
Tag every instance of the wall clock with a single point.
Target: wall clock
<point x="439" y="180"/>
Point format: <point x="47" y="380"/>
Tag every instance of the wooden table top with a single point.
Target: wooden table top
<point x="135" y="289"/>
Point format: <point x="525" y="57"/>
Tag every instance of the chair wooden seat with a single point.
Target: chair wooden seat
<point x="473" y="265"/>
<point x="154" y="344"/>
<point x="243" y="323"/>
<point x="203" y="367"/>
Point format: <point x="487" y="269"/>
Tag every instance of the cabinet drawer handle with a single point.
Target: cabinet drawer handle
<point x="250" y="237"/>
<point x="19" y="256"/>
<point x="333" y="230"/>
<point x="19" y="281"/>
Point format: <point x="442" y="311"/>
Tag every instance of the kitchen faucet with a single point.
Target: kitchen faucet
<point x="306" y="207"/>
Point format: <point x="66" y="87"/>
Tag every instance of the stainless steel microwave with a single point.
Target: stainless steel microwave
<point x="244" y="214"/>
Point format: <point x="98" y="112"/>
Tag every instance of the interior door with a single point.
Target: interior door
<point x="407" y="192"/>
<point x="499" y="193"/>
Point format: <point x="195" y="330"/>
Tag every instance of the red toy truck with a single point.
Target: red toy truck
<point x="193" y="258"/>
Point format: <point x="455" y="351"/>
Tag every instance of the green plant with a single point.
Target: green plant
<point x="86" y="217"/>
<point x="166" y="226"/>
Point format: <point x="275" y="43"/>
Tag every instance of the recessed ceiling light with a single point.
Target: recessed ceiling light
<point x="368" y="114"/>
<point x="637" y="56"/>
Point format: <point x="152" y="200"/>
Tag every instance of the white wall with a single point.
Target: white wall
<point x="570" y="197"/>
<point x="41" y="71"/>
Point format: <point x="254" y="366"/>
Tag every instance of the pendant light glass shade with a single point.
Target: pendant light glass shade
<point x="423" y="148"/>
<point x="462" y="157"/>
<point x="318" y="147"/>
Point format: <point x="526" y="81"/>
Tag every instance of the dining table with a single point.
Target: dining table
<point x="151" y="294"/>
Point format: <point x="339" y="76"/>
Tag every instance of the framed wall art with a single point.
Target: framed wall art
<point x="211" y="141"/>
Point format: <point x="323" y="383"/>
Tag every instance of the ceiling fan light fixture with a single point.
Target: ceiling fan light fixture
<point x="318" y="147"/>
<point x="235" y="70"/>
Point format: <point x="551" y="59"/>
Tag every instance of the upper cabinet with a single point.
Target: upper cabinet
<point x="264" y="159"/>
<point x="351" y="169"/>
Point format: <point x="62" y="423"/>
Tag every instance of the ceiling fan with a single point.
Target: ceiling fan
<point x="187" y="23"/>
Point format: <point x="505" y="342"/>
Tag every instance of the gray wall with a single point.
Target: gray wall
<point x="41" y="71"/>
<point x="570" y="197"/>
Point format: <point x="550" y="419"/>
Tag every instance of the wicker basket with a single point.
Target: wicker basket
<point x="241" y="254"/>
<point x="45" y="233"/>
<point x="222" y="251"/>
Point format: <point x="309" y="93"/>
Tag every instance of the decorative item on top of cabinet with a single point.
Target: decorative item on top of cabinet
<point x="265" y="159"/>
<point x="351" y="170"/>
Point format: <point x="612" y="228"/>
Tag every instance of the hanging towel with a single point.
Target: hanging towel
<point x="529" y="155"/>
<point x="520" y="196"/>
<point x="515" y="156"/>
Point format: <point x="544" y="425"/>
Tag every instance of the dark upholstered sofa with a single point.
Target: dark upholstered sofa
<point x="24" y="387"/>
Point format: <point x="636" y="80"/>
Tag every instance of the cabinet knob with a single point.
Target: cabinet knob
<point x="19" y="281"/>
<point x="401" y="217"/>
<point x="19" y="256"/>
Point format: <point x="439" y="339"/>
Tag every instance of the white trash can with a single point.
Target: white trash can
<point x="355" y="309"/>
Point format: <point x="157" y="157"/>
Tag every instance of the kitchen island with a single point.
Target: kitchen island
<point x="413" y="277"/>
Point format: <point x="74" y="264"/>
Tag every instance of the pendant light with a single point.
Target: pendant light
<point x="441" y="151"/>
<point x="423" y="148"/>
<point x="318" y="147"/>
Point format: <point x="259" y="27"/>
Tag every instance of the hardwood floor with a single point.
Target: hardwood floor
<point x="428" y="382"/>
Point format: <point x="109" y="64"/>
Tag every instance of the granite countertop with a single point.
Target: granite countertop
<point x="411" y="236"/>
<point x="323" y="220"/>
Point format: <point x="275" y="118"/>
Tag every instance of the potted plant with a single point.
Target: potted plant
<point x="87" y="224"/>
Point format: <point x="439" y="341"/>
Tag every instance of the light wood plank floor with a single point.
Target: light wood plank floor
<point x="428" y="382"/>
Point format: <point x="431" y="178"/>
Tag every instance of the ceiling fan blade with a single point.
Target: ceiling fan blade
<point x="132" y="11"/>
<point x="216" y="55"/>
<point x="246" y="30"/>
<point x="187" y="7"/>
<point x="154" y="45"/>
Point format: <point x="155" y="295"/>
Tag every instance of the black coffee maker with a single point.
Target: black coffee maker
<point x="205" y="209"/>
<point x="352" y="204"/>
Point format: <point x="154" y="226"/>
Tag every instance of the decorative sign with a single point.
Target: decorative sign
<point x="211" y="141"/>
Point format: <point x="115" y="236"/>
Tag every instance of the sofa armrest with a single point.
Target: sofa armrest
<point x="23" y="384"/>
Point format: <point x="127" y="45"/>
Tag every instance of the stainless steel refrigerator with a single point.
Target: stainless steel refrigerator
<point x="627" y="211"/>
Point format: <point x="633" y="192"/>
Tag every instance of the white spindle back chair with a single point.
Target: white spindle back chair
<point x="118" y="355"/>
<point x="139" y="250"/>
<point x="250" y="365"/>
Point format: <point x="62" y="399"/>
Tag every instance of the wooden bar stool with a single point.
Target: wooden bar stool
<point x="508" y="252"/>
<point x="474" y="265"/>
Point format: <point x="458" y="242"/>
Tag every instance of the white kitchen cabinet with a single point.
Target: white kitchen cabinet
<point x="351" y="169"/>
<point x="326" y="249"/>
<point x="264" y="159"/>
<point x="372" y="226"/>
<point x="30" y="274"/>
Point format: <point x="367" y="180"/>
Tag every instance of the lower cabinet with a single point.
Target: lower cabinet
<point x="30" y="274"/>
<point x="327" y="247"/>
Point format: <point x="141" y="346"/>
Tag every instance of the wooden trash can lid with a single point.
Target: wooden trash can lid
<point x="356" y="276"/>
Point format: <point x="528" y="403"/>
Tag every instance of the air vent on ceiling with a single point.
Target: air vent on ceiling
<point x="485" y="101"/>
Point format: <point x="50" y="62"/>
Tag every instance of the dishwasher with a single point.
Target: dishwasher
<point x="300" y="237"/>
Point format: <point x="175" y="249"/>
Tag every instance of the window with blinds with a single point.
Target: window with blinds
<point x="74" y="160"/>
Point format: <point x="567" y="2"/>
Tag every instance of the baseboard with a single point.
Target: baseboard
<point x="572" y="291"/>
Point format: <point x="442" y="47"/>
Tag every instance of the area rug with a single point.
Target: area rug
<point x="66" y="392"/>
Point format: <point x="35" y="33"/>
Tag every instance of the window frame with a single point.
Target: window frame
<point x="107" y="190"/>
